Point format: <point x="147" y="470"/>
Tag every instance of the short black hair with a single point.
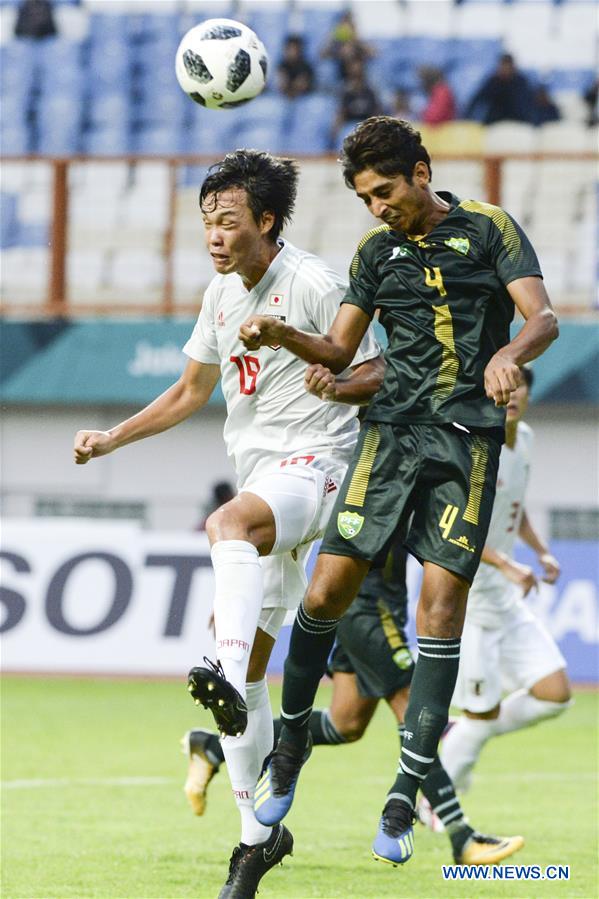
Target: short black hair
<point x="270" y="183"/>
<point x="528" y="376"/>
<point x="387" y="145"/>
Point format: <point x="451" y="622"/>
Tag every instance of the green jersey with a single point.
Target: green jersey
<point x="444" y="304"/>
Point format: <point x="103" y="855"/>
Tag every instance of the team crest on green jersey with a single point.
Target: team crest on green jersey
<point x="401" y="252"/>
<point x="349" y="524"/>
<point x="459" y="244"/>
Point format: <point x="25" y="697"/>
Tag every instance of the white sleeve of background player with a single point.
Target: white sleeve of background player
<point x="202" y="346"/>
<point x="324" y="309"/>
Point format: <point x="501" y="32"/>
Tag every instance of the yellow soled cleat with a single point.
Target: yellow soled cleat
<point x="483" y="850"/>
<point x="201" y="769"/>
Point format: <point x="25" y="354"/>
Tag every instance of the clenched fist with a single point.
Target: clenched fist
<point x="501" y="377"/>
<point x="321" y="382"/>
<point x="89" y="444"/>
<point x="260" y="330"/>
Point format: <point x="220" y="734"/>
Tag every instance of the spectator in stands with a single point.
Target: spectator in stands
<point x="35" y="19"/>
<point x="503" y="96"/>
<point x="296" y="74"/>
<point x="401" y="106"/>
<point x="441" y="106"/>
<point x="591" y="98"/>
<point x="545" y="108"/>
<point x="358" y="100"/>
<point x="344" y="46"/>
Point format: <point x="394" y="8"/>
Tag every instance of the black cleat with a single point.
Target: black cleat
<point x="249" y="864"/>
<point x="210" y="687"/>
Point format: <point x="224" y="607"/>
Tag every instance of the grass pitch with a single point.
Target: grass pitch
<point x="93" y="805"/>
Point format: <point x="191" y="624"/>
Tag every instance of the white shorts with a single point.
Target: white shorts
<point x="301" y="497"/>
<point x="512" y="657"/>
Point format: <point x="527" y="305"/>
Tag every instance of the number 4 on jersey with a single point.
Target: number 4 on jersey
<point x="248" y="366"/>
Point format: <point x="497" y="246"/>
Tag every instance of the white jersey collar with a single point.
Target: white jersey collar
<point x="273" y="271"/>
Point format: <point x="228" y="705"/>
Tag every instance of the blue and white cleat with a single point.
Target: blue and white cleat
<point x="394" y="842"/>
<point x="276" y="787"/>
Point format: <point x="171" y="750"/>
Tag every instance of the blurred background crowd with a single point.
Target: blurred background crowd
<point x="97" y="77"/>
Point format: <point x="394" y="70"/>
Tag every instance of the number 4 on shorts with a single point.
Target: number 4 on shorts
<point x="447" y="519"/>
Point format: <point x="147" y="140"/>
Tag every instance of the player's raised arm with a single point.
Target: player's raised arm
<point x="502" y="374"/>
<point x="181" y="400"/>
<point x="335" y="350"/>
<point x="356" y="390"/>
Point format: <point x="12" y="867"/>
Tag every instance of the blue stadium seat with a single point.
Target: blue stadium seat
<point x="154" y="27"/>
<point x="15" y="140"/>
<point x="167" y="107"/>
<point x="14" y="110"/>
<point x="315" y="25"/>
<point x="467" y="51"/>
<point x="269" y="108"/>
<point x="109" y="109"/>
<point x="271" y="27"/>
<point x="107" y="26"/>
<point x="578" y="80"/>
<point x="209" y="133"/>
<point x="110" y="63"/>
<point x="161" y="140"/>
<point x="18" y="64"/>
<point x="191" y="175"/>
<point x="259" y="136"/>
<point x="327" y="75"/>
<point x="106" y="141"/>
<point x="31" y="234"/>
<point x="346" y="129"/>
<point x="312" y="118"/>
<point x="59" y="124"/>
<point x="8" y="220"/>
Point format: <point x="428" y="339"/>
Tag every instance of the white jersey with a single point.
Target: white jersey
<point x="270" y="416"/>
<point x="491" y="594"/>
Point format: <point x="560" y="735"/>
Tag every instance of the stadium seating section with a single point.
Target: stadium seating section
<point x="106" y="87"/>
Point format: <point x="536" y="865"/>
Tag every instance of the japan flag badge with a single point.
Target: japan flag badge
<point x="276" y="299"/>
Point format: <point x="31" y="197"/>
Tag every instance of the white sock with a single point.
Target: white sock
<point x="237" y="605"/>
<point x="460" y="749"/>
<point x="244" y="756"/>
<point x="520" y="709"/>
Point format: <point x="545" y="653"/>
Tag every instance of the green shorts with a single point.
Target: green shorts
<point x="371" y="644"/>
<point x="437" y="482"/>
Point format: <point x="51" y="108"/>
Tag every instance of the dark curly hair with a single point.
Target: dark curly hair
<point x="270" y="184"/>
<point x="388" y="146"/>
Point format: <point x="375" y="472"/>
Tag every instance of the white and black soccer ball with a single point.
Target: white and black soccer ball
<point x="221" y="64"/>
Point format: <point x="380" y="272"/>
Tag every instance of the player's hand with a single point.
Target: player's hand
<point x="89" y="444"/>
<point x="521" y="575"/>
<point x="260" y="330"/>
<point x="551" y="568"/>
<point x="501" y="377"/>
<point x="321" y="382"/>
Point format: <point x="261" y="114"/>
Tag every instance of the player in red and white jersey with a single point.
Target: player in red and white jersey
<point x="270" y="416"/>
<point x="504" y="646"/>
<point x="290" y="430"/>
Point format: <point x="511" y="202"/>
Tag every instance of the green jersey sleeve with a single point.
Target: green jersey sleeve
<point x="363" y="279"/>
<point x="508" y="249"/>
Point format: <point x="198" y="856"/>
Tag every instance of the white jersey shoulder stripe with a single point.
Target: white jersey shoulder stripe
<point x="316" y="278"/>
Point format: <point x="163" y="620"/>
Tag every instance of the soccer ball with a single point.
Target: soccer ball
<point x="221" y="64"/>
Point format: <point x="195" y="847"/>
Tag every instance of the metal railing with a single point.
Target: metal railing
<point x="57" y="302"/>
